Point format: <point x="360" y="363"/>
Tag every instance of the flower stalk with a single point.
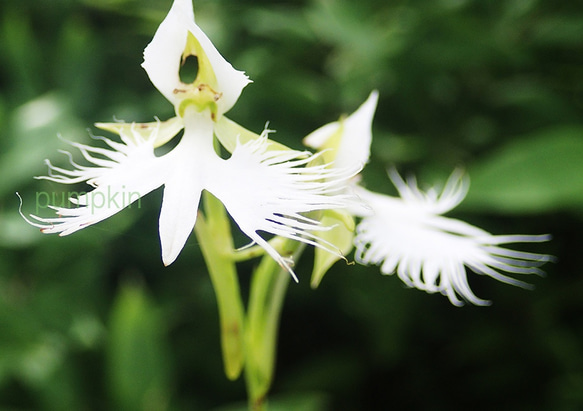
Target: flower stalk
<point x="268" y="287"/>
<point x="248" y="339"/>
<point x="214" y="236"/>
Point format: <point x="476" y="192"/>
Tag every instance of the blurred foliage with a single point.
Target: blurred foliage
<point x="94" y="321"/>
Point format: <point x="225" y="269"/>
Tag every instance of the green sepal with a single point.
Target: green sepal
<point x="164" y="131"/>
<point x="340" y="237"/>
<point x="230" y="134"/>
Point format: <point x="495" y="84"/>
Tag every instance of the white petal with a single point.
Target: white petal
<point x="354" y="148"/>
<point x="431" y="252"/>
<point x="319" y="137"/>
<point x="230" y="82"/>
<point x="190" y="160"/>
<point x="271" y="191"/>
<point x="179" y="210"/>
<point x="163" y="57"/>
<point x="122" y="179"/>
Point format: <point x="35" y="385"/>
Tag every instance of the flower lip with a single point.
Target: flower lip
<point x="272" y="191"/>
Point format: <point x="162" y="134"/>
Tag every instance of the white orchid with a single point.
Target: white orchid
<point x="263" y="185"/>
<point x="409" y="236"/>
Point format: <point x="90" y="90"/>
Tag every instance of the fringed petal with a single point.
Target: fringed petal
<point x="120" y="178"/>
<point x="273" y="192"/>
<point x="430" y="252"/>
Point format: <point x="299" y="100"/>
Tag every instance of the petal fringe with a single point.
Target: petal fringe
<point x="275" y="192"/>
<point x="430" y="252"/>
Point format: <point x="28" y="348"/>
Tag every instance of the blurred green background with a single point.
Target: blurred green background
<point x="93" y="321"/>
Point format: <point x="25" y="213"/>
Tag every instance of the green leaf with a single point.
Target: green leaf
<point x="541" y="172"/>
<point x="34" y="128"/>
<point x="138" y="369"/>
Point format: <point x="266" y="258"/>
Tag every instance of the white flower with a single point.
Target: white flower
<point x="264" y="186"/>
<point x="408" y="236"/>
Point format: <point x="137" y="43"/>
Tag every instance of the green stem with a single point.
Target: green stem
<point x="213" y="232"/>
<point x="268" y="286"/>
<point x="247" y="253"/>
<point x="249" y="340"/>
